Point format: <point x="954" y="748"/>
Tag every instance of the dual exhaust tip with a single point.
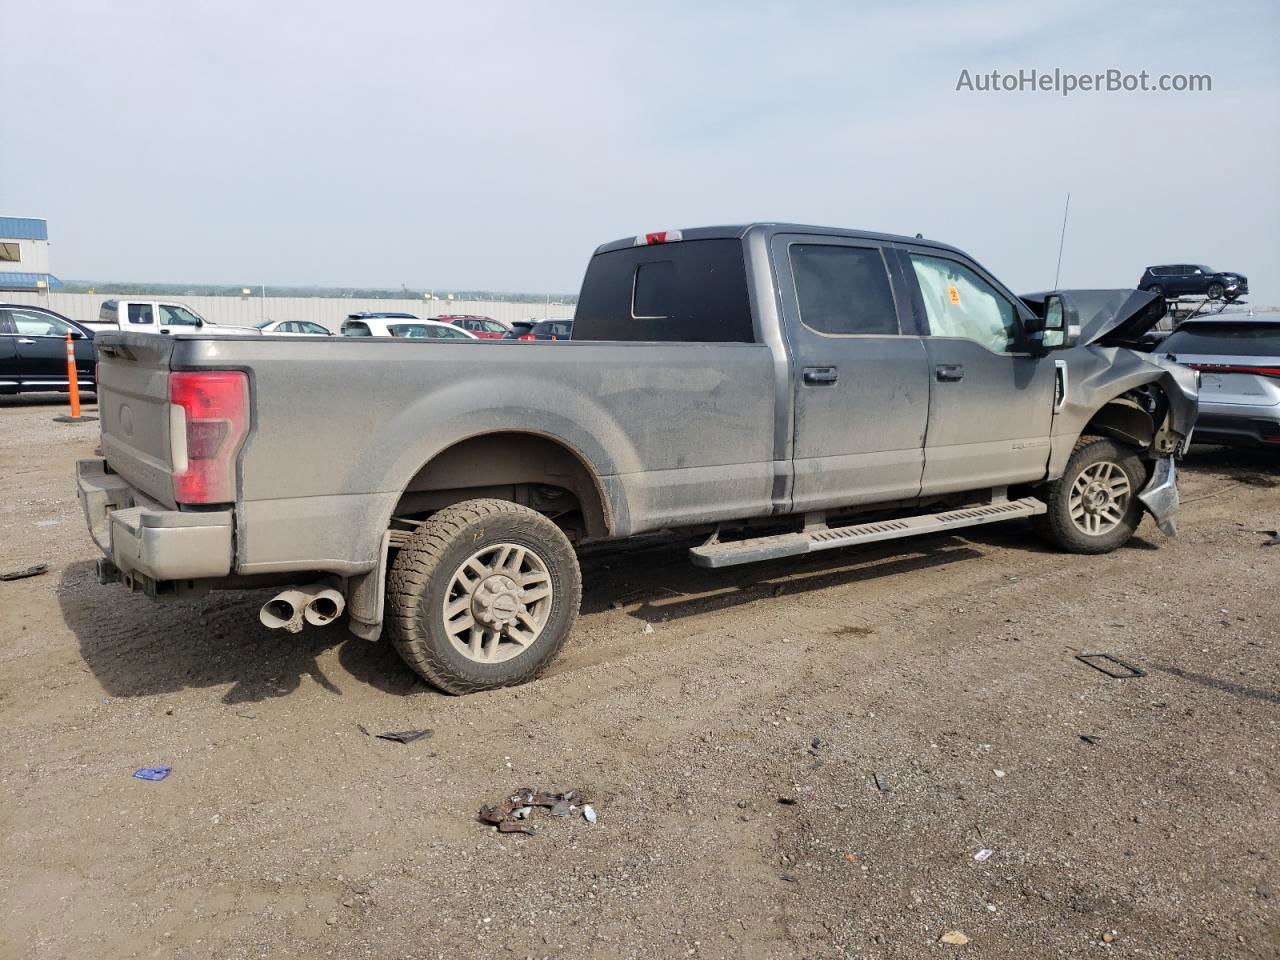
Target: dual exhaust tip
<point x="318" y="604"/>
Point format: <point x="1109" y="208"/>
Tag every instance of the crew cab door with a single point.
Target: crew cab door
<point x="860" y="380"/>
<point x="991" y="395"/>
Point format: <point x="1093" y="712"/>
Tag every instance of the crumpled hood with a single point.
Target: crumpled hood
<point x="1116" y="318"/>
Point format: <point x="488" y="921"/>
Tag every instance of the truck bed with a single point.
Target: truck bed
<point x="676" y="433"/>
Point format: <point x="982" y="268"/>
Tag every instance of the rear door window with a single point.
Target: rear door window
<point x="689" y="290"/>
<point x="843" y="290"/>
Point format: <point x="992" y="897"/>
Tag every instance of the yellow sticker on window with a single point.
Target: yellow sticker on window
<point x="954" y="295"/>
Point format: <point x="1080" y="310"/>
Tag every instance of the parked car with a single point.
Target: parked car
<point x="1238" y="356"/>
<point x="540" y="330"/>
<point x="778" y="389"/>
<point x="486" y="328"/>
<point x="381" y="315"/>
<point x="33" y="350"/>
<point x="301" y="328"/>
<point x="1193" y="280"/>
<point x="159" y="316"/>
<point x="415" y="329"/>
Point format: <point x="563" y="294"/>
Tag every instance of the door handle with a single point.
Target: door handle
<point x="25" y="340"/>
<point x="815" y="376"/>
<point x="949" y="372"/>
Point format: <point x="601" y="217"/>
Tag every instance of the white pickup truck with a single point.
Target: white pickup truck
<point x="159" y="316"/>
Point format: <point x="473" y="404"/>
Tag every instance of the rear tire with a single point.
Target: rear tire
<point x="483" y="596"/>
<point x="1094" y="506"/>
<point x="1156" y="289"/>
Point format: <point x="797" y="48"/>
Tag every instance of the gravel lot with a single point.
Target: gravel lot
<point x="913" y="703"/>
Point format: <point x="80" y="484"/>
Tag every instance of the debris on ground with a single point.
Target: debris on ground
<point x="404" y="736"/>
<point x="1090" y="739"/>
<point x="1090" y="659"/>
<point x="954" y="937"/>
<point x="513" y="814"/>
<point x="648" y="628"/>
<point x="33" y="571"/>
<point x="999" y="774"/>
<point x="1273" y="534"/>
<point x="152" y="773"/>
<point x="983" y="855"/>
<point x="787" y="801"/>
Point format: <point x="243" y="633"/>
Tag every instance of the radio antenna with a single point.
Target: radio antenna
<point x="1061" y="240"/>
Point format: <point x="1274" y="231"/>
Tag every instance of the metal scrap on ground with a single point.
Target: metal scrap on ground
<point x="33" y="571"/>
<point x="513" y="814"/>
<point x="1131" y="670"/>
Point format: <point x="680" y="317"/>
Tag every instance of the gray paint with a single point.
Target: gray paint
<point x="673" y="434"/>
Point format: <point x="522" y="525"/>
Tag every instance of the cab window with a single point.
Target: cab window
<point x="172" y="315"/>
<point x="141" y="313"/>
<point x="959" y="303"/>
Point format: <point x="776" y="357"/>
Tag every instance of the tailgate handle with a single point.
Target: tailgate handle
<point x="949" y="372"/>
<point x="820" y="375"/>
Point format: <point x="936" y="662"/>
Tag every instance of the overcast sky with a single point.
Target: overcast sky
<point x="494" y="145"/>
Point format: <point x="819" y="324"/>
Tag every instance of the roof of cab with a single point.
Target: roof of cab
<point x="769" y="228"/>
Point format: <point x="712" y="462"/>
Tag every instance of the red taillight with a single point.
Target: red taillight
<point x="1233" y="368"/>
<point x="662" y="236"/>
<point x="528" y="337"/>
<point x="209" y="419"/>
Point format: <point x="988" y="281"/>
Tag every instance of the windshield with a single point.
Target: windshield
<point x="1203" y="269"/>
<point x="263" y="324"/>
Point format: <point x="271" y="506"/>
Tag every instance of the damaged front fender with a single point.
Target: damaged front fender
<point x="1146" y="401"/>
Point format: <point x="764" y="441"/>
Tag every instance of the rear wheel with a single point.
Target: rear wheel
<point x="483" y="595"/>
<point x="1156" y="289"/>
<point x="1094" y="507"/>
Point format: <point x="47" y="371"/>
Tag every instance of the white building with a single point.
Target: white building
<point x="24" y="255"/>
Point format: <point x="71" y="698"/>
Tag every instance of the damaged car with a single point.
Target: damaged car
<point x="772" y="389"/>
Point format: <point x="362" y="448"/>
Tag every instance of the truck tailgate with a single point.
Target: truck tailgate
<point x="133" y="402"/>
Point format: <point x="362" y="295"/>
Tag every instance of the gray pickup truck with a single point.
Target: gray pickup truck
<point x="783" y="389"/>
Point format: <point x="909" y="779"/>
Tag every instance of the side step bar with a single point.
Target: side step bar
<point x="827" y="538"/>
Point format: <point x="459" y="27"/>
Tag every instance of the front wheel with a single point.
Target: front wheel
<point x="1094" y="506"/>
<point x="483" y="596"/>
<point x="1216" y="291"/>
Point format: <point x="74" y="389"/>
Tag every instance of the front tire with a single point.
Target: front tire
<point x="483" y="596"/>
<point x="1216" y="291"/>
<point x="1094" y="506"/>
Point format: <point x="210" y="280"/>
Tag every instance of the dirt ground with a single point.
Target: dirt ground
<point x="915" y="703"/>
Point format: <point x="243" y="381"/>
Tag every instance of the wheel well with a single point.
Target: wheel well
<point x="536" y="471"/>
<point x="1132" y="417"/>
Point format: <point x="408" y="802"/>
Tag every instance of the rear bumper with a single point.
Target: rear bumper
<point x="1238" y="424"/>
<point x="140" y="537"/>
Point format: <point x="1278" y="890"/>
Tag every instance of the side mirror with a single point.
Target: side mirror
<point x="77" y="335"/>
<point x="1061" y="324"/>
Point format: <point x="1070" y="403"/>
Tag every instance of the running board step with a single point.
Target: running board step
<point x="827" y="538"/>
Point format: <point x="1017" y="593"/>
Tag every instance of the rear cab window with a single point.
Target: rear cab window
<point x="690" y="290"/>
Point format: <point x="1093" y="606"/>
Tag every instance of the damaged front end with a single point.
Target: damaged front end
<point x="1109" y="386"/>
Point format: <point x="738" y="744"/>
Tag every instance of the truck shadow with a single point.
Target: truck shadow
<point x="667" y="586"/>
<point x="137" y="648"/>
